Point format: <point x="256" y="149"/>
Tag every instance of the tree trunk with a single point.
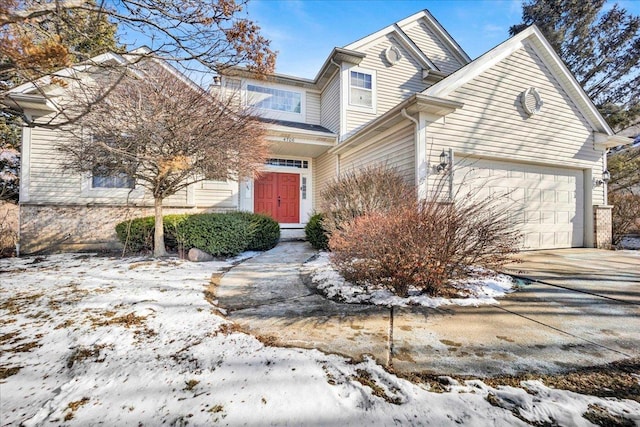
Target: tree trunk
<point x="158" y="236"/>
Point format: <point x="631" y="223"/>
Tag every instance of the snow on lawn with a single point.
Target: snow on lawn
<point x="95" y="340"/>
<point x="331" y="284"/>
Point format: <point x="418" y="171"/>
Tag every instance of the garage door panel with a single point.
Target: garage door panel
<point x="547" y="202"/>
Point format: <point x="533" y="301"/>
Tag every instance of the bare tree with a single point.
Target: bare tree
<point x="161" y="131"/>
<point x="203" y="35"/>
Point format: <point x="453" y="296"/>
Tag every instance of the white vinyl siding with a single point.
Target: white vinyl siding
<point x="178" y="200"/>
<point x="555" y="146"/>
<point x="431" y="45"/>
<point x="395" y="149"/>
<point x="393" y="84"/>
<point x="49" y="183"/>
<point x="330" y="105"/>
<point x="221" y="194"/>
<point x="324" y="170"/>
<point x="492" y="122"/>
<point x="313" y="108"/>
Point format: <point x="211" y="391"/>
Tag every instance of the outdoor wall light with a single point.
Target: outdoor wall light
<point x="444" y="161"/>
<point x="606" y="176"/>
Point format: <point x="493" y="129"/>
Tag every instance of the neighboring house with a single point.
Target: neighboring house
<point x="514" y="120"/>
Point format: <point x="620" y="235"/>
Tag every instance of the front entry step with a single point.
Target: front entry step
<point x="292" y="234"/>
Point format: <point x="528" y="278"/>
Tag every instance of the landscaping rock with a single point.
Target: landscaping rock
<point x="196" y="255"/>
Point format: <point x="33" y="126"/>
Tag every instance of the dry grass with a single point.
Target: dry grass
<point x="19" y="302"/>
<point x="191" y="384"/>
<point x="618" y="379"/>
<point x="364" y="378"/>
<point x="6" y="372"/>
<point x="73" y="407"/>
<point x="83" y="353"/>
<point x="128" y="320"/>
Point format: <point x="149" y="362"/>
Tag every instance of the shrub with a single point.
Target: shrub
<point x="8" y="228"/>
<point x="136" y="234"/>
<point x="625" y="215"/>
<point x="316" y="233"/>
<point x="219" y="234"/>
<point x="424" y="245"/>
<point x="265" y="231"/>
<point x="174" y="239"/>
<point x="356" y="193"/>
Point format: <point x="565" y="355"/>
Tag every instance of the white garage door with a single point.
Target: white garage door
<point x="545" y="202"/>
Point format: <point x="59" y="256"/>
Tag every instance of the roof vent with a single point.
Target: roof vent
<point x="393" y="55"/>
<point x="531" y="101"/>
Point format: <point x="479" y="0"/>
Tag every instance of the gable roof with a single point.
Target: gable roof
<point x="396" y="29"/>
<point x="533" y="37"/>
<point x="350" y="53"/>
<point x="31" y="96"/>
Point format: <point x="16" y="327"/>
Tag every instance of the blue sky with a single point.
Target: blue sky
<point x="305" y="31"/>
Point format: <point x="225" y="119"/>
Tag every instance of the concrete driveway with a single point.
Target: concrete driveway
<point x="583" y="309"/>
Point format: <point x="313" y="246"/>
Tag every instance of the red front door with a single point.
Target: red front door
<point x="278" y="195"/>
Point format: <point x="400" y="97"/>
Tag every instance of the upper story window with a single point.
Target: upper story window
<point x="362" y="89"/>
<point x="269" y="98"/>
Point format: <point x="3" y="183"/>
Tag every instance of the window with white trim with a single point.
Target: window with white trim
<point x="108" y="173"/>
<point x="102" y="180"/>
<point x="361" y="89"/>
<point x="274" y="99"/>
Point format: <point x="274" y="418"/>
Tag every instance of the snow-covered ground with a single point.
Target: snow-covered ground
<point x="330" y="283"/>
<point x="93" y="340"/>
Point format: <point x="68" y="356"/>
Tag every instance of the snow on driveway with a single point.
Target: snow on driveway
<point x="95" y="340"/>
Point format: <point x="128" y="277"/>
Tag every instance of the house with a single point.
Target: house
<point x="514" y="120"/>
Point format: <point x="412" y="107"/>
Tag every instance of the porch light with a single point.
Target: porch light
<point x="444" y="161"/>
<point x="606" y="177"/>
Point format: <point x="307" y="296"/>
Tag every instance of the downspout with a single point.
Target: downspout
<point x="404" y="114"/>
<point x="342" y="120"/>
<point x="340" y="112"/>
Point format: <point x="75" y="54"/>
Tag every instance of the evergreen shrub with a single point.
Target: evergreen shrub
<point x="316" y="233"/>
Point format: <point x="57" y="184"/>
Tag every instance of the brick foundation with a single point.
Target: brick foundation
<point x="45" y="228"/>
<point x="602" y="226"/>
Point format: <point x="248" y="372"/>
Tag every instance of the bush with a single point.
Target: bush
<point x="625" y="215"/>
<point x="220" y="234"/>
<point x="8" y="228"/>
<point x="265" y="231"/>
<point x="356" y="193"/>
<point x="136" y="234"/>
<point x="316" y="233"/>
<point x="425" y="244"/>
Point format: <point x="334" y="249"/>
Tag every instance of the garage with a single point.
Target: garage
<point x="546" y="203"/>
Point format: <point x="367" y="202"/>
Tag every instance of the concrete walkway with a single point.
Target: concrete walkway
<point x="592" y="319"/>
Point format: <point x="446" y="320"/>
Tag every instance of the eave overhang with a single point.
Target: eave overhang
<point x="290" y="140"/>
<point x="338" y="56"/>
<point x="602" y="141"/>
<point x="417" y="103"/>
<point x="29" y="103"/>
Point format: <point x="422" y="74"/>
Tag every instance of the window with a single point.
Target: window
<point x="361" y="89"/>
<point x="100" y="179"/>
<point x="288" y="163"/>
<point x="274" y="99"/>
<point x="303" y="188"/>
